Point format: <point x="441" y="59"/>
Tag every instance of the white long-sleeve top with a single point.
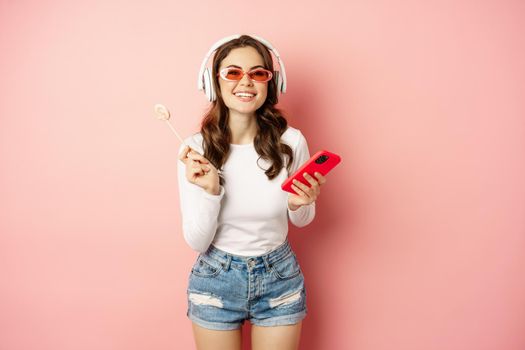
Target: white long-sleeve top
<point x="249" y="216"/>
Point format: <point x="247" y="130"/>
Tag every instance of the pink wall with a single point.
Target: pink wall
<point x="419" y="236"/>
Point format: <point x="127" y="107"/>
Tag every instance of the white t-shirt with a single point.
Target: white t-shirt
<point x="249" y="216"/>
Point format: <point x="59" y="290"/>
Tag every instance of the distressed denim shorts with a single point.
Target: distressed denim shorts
<point x="225" y="290"/>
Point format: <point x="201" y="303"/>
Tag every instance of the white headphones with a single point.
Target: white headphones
<point x="205" y="81"/>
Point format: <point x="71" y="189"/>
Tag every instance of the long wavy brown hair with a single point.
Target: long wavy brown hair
<point x="271" y="123"/>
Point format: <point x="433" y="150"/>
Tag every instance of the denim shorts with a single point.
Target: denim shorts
<point x="225" y="290"/>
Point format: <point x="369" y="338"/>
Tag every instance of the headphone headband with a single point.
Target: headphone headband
<point x="205" y="81"/>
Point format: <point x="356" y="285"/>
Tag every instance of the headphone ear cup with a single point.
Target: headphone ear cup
<point x="208" y="85"/>
<point x="278" y="81"/>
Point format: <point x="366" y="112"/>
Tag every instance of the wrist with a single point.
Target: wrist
<point x="293" y="207"/>
<point x="214" y="191"/>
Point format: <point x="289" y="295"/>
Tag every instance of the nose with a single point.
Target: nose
<point x="245" y="80"/>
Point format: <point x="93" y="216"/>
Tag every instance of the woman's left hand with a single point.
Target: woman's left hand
<point x="305" y="195"/>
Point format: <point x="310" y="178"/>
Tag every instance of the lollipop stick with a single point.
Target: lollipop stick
<point x="163" y="113"/>
<point x="175" y="132"/>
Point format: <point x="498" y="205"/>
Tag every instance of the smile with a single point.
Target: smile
<point x="245" y="97"/>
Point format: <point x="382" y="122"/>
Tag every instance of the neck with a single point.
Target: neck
<point x="243" y="128"/>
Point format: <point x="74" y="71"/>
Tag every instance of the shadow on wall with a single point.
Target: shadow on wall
<point x="316" y="243"/>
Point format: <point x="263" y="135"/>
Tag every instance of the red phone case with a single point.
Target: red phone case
<point x="311" y="167"/>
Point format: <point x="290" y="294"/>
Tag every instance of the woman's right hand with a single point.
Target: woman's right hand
<point x="200" y="171"/>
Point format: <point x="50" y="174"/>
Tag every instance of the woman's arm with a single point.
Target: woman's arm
<point x="199" y="210"/>
<point x="303" y="215"/>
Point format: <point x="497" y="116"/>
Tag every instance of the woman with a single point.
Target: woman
<point x="237" y="218"/>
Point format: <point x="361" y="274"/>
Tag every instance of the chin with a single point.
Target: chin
<point x="244" y="109"/>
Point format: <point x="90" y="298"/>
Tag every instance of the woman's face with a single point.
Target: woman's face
<point x="246" y="58"/>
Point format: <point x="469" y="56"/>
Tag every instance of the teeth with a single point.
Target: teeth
<point x="243" y="94"/>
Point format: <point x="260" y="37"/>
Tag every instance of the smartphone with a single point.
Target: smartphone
<point x="322" y="162"/>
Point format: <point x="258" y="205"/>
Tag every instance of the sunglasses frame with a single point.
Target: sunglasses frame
<point x="223" y="71"/>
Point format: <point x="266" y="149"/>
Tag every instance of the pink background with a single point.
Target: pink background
<point x="419" y="237"/>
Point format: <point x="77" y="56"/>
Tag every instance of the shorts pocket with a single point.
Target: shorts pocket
<point x="286" y="268"/>
<point x="206" y="267"/>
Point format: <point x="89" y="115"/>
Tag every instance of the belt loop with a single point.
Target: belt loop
<point x="228" y="262"/>
<point x="267" y="263"/>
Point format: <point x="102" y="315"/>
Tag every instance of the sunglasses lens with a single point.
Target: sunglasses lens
<point x="260" y="75"/>
<point x="233" y="74"/>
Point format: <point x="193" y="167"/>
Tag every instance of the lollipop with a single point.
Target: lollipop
<point x="163" y="114"/>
